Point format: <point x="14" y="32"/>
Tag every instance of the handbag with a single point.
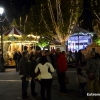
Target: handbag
<point x="91" y="76"/>
<point x="66" y="80"/>
<point x="37" y="75"/>
<point x="38" y="78"/>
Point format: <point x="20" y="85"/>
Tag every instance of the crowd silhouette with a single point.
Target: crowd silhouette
<point x="47" y="62"/>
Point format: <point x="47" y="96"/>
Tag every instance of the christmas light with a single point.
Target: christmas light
<point x="59" y="24"/>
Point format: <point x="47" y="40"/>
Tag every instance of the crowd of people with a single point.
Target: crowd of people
<point x="46" y="62"/>
<point x="91" y="77"/>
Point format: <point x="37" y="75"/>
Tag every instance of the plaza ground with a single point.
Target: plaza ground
<point x="10" y="86"/>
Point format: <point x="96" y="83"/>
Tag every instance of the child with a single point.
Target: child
<point x="81" y="80"/>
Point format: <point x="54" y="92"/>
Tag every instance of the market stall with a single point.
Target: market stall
<point x="14" y="41"/>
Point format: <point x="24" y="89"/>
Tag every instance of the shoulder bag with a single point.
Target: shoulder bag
<point x="37" y="75"/>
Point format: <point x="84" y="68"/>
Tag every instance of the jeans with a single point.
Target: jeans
<point x="46" y="85"/>
<point x="25" y="84"/>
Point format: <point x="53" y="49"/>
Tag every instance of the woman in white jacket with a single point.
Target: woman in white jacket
<point x="45" y="69"/>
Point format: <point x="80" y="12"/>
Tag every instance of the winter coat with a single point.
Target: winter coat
<point x="61" y="63"/>
<point x="24" y="67"/>
<point x="32" y="65"/>
<point x="93" y="66"/>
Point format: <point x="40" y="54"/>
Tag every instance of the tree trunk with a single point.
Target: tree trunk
<point x="63" y="45"/>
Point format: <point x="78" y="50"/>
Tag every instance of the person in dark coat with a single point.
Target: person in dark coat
<point x="24" y="72"/>
<point x="19" y="56"/>
<point x="15" y="58"/>
<point x="33" y="65"/>
<point x="50" y="57"/>
<point x="79" y="58"/>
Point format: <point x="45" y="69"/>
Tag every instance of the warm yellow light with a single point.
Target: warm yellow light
<point x="22" y="41"/>
<point x="15" y="35"/>
<point x="30" y="35"/>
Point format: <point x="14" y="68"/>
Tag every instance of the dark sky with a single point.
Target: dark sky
<point x="87" y="16"/>
<point x="18" y="4"/>
<point x="9" y="5"/>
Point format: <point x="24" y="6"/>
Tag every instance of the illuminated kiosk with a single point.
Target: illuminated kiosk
<point x="14" y="40"/>
<point x="75" y="42"/>
<point x="18" y="40"/>
<point x="79" y="41"/>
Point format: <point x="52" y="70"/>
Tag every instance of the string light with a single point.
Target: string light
<point x="47" y="27"/>
<point x="72" y="20"/>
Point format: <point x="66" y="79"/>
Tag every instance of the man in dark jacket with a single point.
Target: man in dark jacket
<point x="24" y="72"/>
<point x="32" y="65"/>
<point x="79" y="58"/>
<point x="15" y="55"/>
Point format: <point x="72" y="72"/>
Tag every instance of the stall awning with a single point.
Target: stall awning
<point x="13" y="31"/>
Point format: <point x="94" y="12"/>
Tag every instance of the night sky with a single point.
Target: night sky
<point x="9" y="5"/>
<point x="12" y="5"/>
<point x="87" y="16"/>
<point x="17" y="4"/>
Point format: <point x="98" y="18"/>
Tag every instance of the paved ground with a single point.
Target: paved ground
<point x="10" y="86"/>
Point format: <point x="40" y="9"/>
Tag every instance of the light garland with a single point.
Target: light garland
<point x="53" y="21"/>
<point x="59" y="14"/>
<point x="47" y="27"/>
<point x="21" y="41"/>
<point x="59" y="24"/>
<point x="15" y="35"/>
<point x="97" y="16"/>
<point x="33" y="36"/>
<point x="96" y="28"/>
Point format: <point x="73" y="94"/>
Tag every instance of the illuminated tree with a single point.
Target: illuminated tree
<point x="96" y="12"/>
<point x="97" y="41"/>
<point x="54" y="18"/>
<point x="34" y="22"/>
<point x="60" y="17"/>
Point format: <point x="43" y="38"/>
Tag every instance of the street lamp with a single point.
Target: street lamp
<point x="2" y="68"/>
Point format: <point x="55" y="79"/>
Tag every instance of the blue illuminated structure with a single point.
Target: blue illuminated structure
<point x="79" y="39"/>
